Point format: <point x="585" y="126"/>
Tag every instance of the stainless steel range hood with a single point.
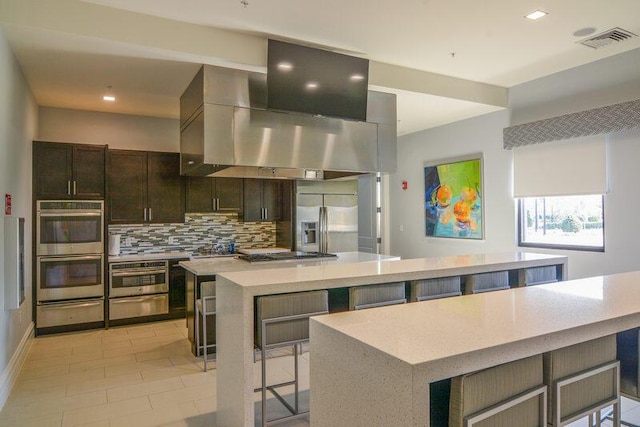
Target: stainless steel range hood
<point x="226" y="131"/>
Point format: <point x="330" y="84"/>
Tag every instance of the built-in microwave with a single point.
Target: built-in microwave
<point x="67" y="227"/>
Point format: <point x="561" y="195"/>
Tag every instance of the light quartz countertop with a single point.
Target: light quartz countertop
<point x="213" y="266"/>
<point x="409" y="346"/>
<point x="383" y="361"/>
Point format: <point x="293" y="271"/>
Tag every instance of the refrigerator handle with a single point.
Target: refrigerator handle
<point x="323" y="244"/>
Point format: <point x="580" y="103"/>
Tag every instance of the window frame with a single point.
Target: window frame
<point x="584" y="248"/>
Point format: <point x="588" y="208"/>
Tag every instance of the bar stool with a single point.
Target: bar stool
<point x="426" y="289"/>
<point x="583" y="379"/>
<point x="369" y="296"/>
<point x="205" y="307"/>
<point x="486" y="282"/>
<point x="507" y="395"/>
<point x="283" y="321"/>
<point x="538" y="275"/>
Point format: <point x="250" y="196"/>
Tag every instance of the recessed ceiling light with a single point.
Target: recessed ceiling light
<point x="108" y="96"/>
<point x="356" y="77"/>
<point x="285" y="66"/>
<point x="535" y="15"/>
<point x="312" y="85"/>
<point x="583" y="32"/>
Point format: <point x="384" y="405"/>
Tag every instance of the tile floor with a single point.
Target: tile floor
<point x="141" y="375"/>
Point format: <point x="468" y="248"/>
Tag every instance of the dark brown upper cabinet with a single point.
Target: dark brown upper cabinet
<point x="262" y="200"/>
<point x="68" y="171"/>
<point x="214" y="194"/>
<point x="144" y="187"/>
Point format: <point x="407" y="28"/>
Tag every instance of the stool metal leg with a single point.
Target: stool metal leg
<point x="204" y="336"/>
<point x="197" y="331"/>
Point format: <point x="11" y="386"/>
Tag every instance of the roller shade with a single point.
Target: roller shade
<point x="561" y="168"/>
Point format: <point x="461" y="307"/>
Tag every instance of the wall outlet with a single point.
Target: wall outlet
<point x="401" y="227"/>
<point x="127" y="241"/>
<point x="173" y="240"/>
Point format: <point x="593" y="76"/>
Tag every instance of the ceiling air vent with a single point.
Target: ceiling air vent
<point x="614" y="35"/>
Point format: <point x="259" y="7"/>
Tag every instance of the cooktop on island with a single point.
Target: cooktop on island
<point x="282" y="256"/>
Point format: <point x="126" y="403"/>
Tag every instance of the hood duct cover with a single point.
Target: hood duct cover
<point x="225" y="131"/>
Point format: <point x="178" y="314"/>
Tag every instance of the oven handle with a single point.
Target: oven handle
<point x="70" y="258"/>
<point x="57" y="306"/>
<point x="137" y="273"/>
<point x="128" y="300"/>
<point x="67" y="213"/>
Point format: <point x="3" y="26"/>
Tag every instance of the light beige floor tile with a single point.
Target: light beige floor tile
<point x="55" y="406"/>
<point x="53" y="380"/>
<point x="160" y="340"/>
<point x="201" y="378"/>
<point x="46" y="421"/>
<point x="102" y="363"/>
<point x="103" y="384"/>
<point x="48" y="353"/>
<point x="92" y="414"/>
<point x="190" y="394"/>
<point x="22" y="397"/>
<point x="169" y="415"/>
<point x="51" y="361"/>
<point x="121" y="351"/>
<point x="44" y="371"/>
<point x="161" y="373"/>
<point x="206" y="406"/>
<point x="137" y="367"/>
<point x="191" y="362"/>
<point x="144" y="389"/>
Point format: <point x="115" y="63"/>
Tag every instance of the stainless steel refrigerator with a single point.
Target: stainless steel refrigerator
<point x="327" y="216"/>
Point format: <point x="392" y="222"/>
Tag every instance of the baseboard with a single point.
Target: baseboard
<point x="10" y="374"/>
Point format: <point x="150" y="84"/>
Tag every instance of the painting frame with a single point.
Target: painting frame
<point x="454" y="197"/>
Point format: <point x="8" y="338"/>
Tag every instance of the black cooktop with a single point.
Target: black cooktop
<point x="280" y="256"/>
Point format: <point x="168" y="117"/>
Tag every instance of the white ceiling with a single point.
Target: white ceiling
<point x="461" y="55"/>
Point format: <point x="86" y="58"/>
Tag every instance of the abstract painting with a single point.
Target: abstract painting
<point x="454" y="199"/>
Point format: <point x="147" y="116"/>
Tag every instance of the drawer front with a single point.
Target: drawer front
<point x="60" y="314"/>
<point x="148" y="305"/>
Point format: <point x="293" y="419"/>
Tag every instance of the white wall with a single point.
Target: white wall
<point x="18" y="121"/>
<point x="478" y="135"/>
<point x="120" y="131"/>
<point x="574" y="90"/>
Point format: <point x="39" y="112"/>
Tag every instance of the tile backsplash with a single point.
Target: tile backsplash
<point x="198" y="231"/>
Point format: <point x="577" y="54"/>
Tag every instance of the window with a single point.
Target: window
<point x="564" y="222"/>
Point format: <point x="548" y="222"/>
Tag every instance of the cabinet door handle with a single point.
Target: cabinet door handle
<point x="150" y="215"/>
<point x="144" y="214"/>
<point x="217" y="204"/>
<point x="213" y="203"/>
<point x="69" y="188"/>
<point x="74" y="188"/>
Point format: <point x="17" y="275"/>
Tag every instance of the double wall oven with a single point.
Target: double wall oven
<point x="70" y="262"/>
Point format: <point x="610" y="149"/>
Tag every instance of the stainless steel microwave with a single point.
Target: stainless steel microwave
<point x="69" y="227"/>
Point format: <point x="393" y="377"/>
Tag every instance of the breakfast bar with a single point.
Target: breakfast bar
<point x="368" y="368"/>
<point x="236" y="292"/>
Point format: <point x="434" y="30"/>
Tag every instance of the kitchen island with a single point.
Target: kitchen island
<point x="236" y="292"/>
<point x="369" y="369"/>
<point x="207" y="269"/>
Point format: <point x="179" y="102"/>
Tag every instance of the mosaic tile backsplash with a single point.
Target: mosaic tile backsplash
<point x="198" y="231"/>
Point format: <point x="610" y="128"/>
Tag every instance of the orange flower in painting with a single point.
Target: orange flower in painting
<point x="443" y="195"/>
<point x="469" y="196"/>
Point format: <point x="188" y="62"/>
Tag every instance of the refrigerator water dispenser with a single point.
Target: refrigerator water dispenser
<point x="309" y="233"/>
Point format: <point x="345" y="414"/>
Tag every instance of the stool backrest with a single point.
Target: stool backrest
<point x="540" y="275"/>
<point x="284" y="318"/>
<point x="485" y="282"/>
<point x="208" y="297"/>
<point x="427" y="289"/>
<point x="369" y="296"/>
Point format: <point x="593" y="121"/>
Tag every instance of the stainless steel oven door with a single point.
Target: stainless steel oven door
<point x="69" y="232"/>
<point x="125" y="281"/>
<point x="68" y="277"/>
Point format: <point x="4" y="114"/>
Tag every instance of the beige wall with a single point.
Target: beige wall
<point x="119" y="131"/>
<point x="18" y="121"/>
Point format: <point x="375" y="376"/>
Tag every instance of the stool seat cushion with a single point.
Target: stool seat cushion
<point x="567" y="361"/>
<point x="477" y="391"/>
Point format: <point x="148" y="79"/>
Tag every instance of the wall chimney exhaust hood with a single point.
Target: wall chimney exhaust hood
<point x="227" y="131"/>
